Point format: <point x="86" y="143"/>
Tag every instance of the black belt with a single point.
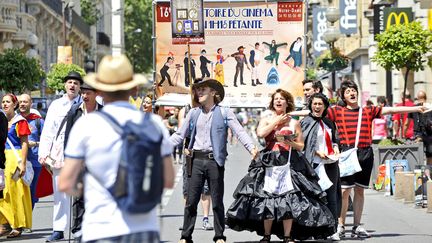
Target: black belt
<point x="203" y="155"/>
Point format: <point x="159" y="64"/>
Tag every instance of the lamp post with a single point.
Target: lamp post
<point x="331" y="36"/>
<point x="66" y="5"/>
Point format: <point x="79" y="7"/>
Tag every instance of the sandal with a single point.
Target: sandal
<point x="265" y="239"/>
<point x="5" y="230"/>
<point x="288" y="239"/>
<point x="15" y="233"/>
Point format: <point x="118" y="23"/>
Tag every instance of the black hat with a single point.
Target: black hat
<point x="240" y="47"/>
<point x="86" y="86"/>
<point x="212" y="83"/>
<point x="73" y="75"/>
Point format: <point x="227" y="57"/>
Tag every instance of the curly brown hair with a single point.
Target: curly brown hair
<point x="287" y="96"/>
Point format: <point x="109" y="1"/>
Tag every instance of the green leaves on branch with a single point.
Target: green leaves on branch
<point x="138" y="34"/>
<point x="58" y="71"/>
<point x="332" y="60"/>
<point x="311" y="73"/>
<point x="18" y="72"/>
<point x="403" y="46"/>
<point x="89" y="11"/>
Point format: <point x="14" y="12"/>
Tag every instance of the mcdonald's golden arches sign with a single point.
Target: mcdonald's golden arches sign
<point x="397" y="16"/>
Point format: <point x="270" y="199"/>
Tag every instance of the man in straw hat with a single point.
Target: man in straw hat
<point x="207" y="126"/>
<point x="51" y="149"/>
<point x="90" y="144"/>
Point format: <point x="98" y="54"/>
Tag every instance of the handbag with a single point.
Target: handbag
<point x="348" y="160"/>
<point x="277" y="179"/>
<point x="44" y="186"/>
<point x="29" y="174"/>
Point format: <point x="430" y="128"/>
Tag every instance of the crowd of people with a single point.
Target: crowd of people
<point x="292" y="189"/>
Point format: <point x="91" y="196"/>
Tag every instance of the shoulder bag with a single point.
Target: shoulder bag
<point x="348" y="160"/>
<point x="29" y="174"/>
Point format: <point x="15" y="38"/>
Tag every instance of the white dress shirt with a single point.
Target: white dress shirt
<point x="55" y="115"/>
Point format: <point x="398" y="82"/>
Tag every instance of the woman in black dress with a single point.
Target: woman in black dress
<point x="321" y="147"/>
<point x="298" y="213"/>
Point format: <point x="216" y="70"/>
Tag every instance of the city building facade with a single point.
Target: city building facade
<point x="360" y="45"/>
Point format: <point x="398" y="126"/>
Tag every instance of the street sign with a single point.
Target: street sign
<point x="397" y="16"/>
<point x="187" y="19"/>
<point x="348" y="19"/>
<point x="64" y="54"/>
<point x="379" y="23"/>
<point x="319" y="27"/>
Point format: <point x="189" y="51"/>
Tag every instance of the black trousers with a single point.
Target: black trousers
<point x="77" y="213"/>
<point x="334" y="193"/>
<point x="204" y="72"/>
<point x="239" y="69"/>
<point x="165" y="75"/>
<point x="205" y="169"/>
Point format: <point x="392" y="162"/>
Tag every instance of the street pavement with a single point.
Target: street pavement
<point x="387" y="219"/>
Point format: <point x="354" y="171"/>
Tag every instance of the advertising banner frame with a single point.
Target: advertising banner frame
<point x="298" y="95"/>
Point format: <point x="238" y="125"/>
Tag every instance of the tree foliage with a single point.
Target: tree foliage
<point x="19" y="72"/>
<point x="332" y="60"/>
<point x="89" y="11"/>
<point x="138" y="34"/>
<point x="403" y="46"/>
<point x="58" y="71"/>
<point x="311" y="73"/>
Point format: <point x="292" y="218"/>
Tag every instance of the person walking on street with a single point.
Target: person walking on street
<point x="97" y="146"/>
<point x="346" y="119"/>
<point x="88" y="105"/>
<point x="403" y="126"/>
<point x="15" y="207"/>
<point x="289" y="206"/>
<point x="36" y="124"/>
<point x="51" y="149"/>
<point x="321" y="145"/>
<point x="207" y="126"/>
<point x="423" y="127"/>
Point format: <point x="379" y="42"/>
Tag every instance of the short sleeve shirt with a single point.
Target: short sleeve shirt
<point x="346" y="122"/>
<point x="94" y="140"/>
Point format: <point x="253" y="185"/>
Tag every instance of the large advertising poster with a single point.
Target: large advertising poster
<point x="252" y="48"/>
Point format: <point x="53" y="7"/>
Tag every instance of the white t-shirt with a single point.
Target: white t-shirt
<point x="94" y="140"/>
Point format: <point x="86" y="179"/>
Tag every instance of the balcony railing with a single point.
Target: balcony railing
<point x="77" y="20"/>
<point x="8" y="15"/>
<point x="26" y="24"/>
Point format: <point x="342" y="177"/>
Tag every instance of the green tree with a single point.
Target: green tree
<point x="311" y="73"/>
<point x="19" y="73"/>
<point x="89" y="11"/>
<point x="138" y="34"/>
<point x="332" y="60"/>
<point x="403" y="47"/>
<point x="58" y="71"/>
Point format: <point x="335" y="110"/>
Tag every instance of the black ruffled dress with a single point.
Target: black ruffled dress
<point x="305" y="203"/>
